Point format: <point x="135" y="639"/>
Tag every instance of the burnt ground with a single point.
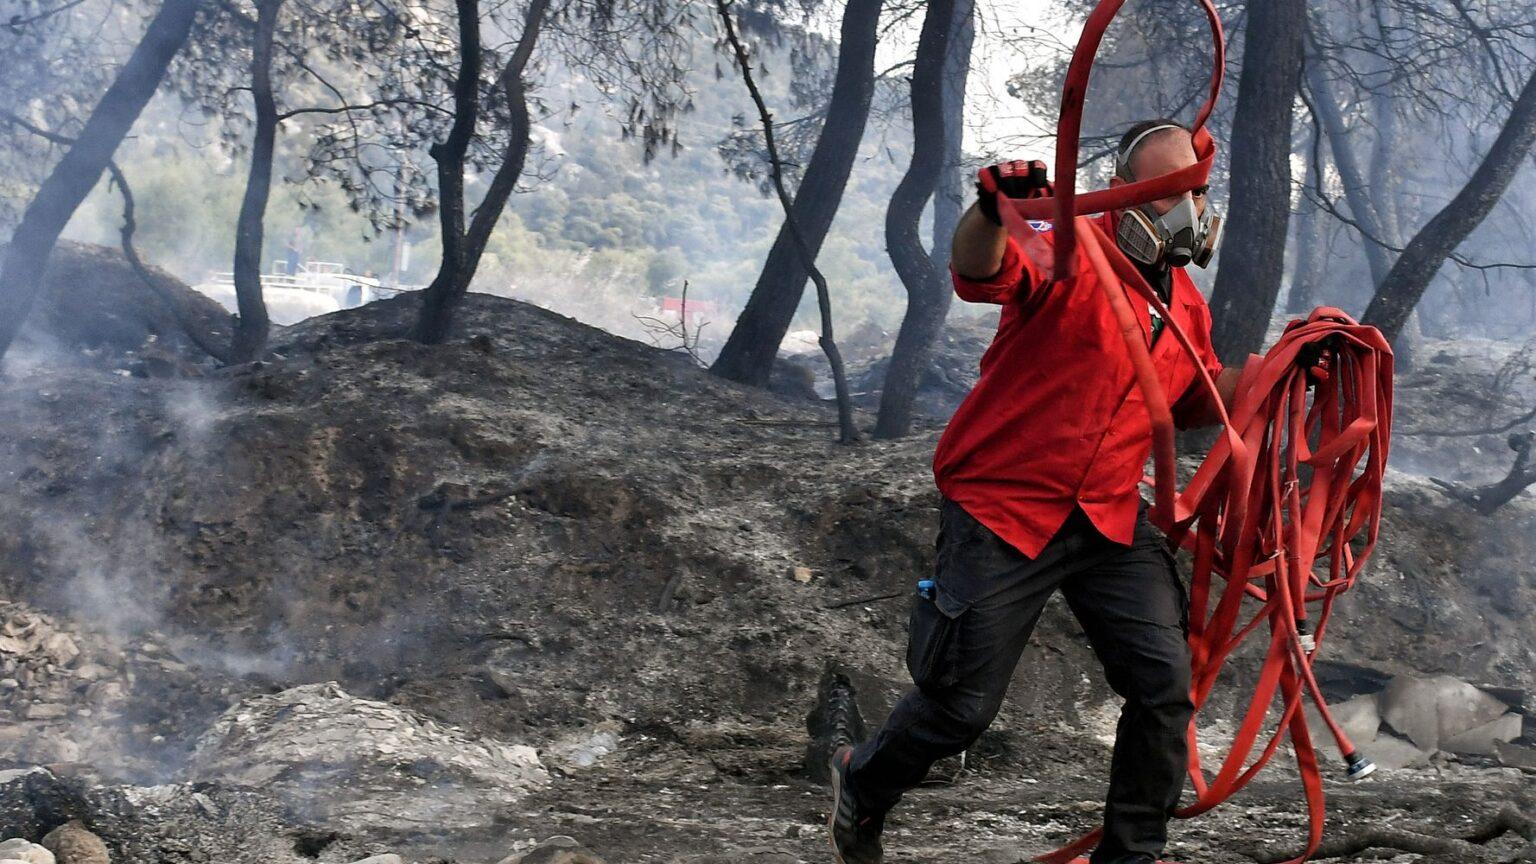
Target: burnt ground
<point x="538" y="531"/>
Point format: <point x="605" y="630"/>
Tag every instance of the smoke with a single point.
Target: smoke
<point x="609" y="296"/>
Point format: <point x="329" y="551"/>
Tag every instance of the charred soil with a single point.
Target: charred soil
<point x="541" y="535"/>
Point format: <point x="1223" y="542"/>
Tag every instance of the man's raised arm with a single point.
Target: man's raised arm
<point x="978" y="247"/>
<point x="988" y="267"/>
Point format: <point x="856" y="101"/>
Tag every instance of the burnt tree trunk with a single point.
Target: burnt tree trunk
<point x="928" y="295"/>
<point x="253" y="325"/>
<point x="21" y="273"/>
<point x="1248" y="284"/>
<point x="1398" y="294"/>
<point x="950" y="196"/>
<point x="437" y="310"/>
<point x="442" y="294"/>
<point x="848" y="433"/>
<point x="750" y="350"/>
<point x="515" y="90"/>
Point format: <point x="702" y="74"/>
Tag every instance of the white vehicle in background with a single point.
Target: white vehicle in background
<point x="315" y="288"/>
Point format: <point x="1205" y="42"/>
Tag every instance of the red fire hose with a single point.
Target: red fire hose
<point x="1284" y="511"/>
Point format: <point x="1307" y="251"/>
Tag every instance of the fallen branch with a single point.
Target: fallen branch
<point x="202" y="339"/>
<point x="862" y="600"/>
<point x="752" y="422"/>
<point x="1486" y="499"/>
<point x="442" y="502"/>
<point x="1469" y="848"/>
<point x="669" y="591"/>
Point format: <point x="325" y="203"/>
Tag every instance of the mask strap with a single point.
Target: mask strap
<point x="1123" y="158"/>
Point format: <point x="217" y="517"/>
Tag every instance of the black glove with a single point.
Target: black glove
<point x="1317" y="359"/>
<point x="1015" y="179"/>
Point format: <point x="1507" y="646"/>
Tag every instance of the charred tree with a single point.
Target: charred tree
<point x="928" y="295"/>
<point x="463" y="246"/>
<point x="1398" y="294"/>
<point x="949" y="197"/>
<point x="253" y="325"/>
<point x="439" y="298"/>
<point x="21" y="273"/>
<point x="750" y="350"/>
<point x="1370" y="202"/>
<point x="1248" y="284"/>
<point x="1486" y="499"/>
<point x="848" y="432"/>
<point x="1351" y="176"/>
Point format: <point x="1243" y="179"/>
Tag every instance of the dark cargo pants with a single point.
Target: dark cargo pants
<point x="967" y="639"/>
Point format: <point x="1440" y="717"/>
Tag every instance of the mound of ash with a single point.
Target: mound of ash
<point x="540" y="535"/>
<point x="96" y="310"/>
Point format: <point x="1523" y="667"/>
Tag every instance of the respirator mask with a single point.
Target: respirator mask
<point x="1176" y="238"/>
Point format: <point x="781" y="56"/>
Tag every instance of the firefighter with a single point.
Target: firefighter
<point x="1039" y="471"/>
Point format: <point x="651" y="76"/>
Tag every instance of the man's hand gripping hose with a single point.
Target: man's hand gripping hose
<point x="1285" y="510"/>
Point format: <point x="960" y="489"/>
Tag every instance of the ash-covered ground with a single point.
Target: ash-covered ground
<point x="369" y="596"/>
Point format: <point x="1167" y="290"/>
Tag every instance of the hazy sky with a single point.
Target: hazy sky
<point x="991" y="114"/>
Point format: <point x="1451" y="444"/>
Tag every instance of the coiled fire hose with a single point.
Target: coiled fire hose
<point x="1285" y="510"/>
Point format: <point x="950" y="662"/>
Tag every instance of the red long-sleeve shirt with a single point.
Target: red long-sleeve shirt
<point x="1056" y="419"/>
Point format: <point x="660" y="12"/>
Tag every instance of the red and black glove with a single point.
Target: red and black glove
<point x="1015" y="179"/>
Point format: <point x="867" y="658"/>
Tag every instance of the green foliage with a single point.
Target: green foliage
<point x="596" y="209"/>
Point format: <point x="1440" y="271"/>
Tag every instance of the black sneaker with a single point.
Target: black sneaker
<point x="855" y="835"/>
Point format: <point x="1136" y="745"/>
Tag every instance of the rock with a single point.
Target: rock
<point x="46" y="711"/>
<point x="25" y="852"/>
<point x="584" y="751"/>
<point x="50" y="747"/>
<point x="556" y="850"/>
<point x="72" y="843"/>
<point x="358" y="765"/>
<point x="1391" y="753"/>
<point x="390" y="858"/>
<point x="1481" y="740"/>
<point x="33" y="800"/>
<point x="60" y="649"/>
<point x="1428" y="710"/>
<point x="1516" y="756"/>
<point x="1359" y="717"/>
<point x="802" y="574"/>
<point x="1516" y="698"/>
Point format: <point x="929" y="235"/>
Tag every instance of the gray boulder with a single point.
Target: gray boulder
<point x="1431" y="710"/>
<point x="360" y="765"/>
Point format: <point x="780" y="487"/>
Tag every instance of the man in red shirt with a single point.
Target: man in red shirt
<point x="1039" y="470"/>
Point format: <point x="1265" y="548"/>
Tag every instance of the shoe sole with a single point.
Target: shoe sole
<point x="837" y="800"/>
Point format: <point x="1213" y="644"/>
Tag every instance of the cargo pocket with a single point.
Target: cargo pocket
<point x="1178" y="583"/>
<point x="933" y="640"/>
